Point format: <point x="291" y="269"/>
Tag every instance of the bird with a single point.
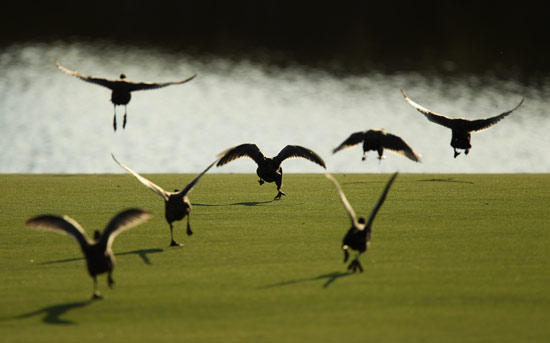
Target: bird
<point x="121" y="88"/>
<point x="269" y="169"/>
<point x="176" y="203"/>
<point x="378" y="140"/>
<point x="358" y="236"/>
<point x="461" y="127"/>
<point x="98" y="253"/>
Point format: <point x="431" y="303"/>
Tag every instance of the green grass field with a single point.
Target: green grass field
<point x="454" y="258"/>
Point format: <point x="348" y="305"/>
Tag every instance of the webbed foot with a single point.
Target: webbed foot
<point x="278" y="196"/>
<point x="97" y="296"/>
<point x="175" y="244"/>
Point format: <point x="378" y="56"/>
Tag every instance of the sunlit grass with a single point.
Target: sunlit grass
<point x="453" y="258"/>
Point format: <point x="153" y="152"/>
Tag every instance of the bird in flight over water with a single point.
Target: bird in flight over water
<point x="461" y="128"/>
<point x="121" y="88"/>
<point x="378" y="140"/>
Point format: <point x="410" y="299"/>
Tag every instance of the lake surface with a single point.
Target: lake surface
<point x="51" y="122"/>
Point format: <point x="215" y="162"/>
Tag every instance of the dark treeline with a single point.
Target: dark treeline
<point x="458" y="36"/>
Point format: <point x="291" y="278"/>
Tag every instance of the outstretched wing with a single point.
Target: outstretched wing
<point x="381" y="200"/>
<point x="345" y="201"/>
<point x="482" y="124"/>
<point x="122" y="222"/>
<point x="244" y="150"/>
<point x="293" y="151"/>
<point x="93" y="79"/>
<point x="352" y="140"/>
<point x="157" y="189"/>
<point x="137" y="86"/>
<point x="192" y="184"/>
<point x="432" y="116"/>
<point x="65" y="225"/>
<point x="398" y="145"/>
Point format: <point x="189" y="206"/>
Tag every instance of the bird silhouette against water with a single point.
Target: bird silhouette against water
<point x="269" y="169"/>
<point x="378" y="140"/>
<point x="121" y="88"/>
<point x="176" y="203"/>
<point x="461" y="128"/>
<point x="98" y="253"/>
<point x="359" y="235"/>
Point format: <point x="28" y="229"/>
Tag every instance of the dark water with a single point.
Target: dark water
<point x="51" y="122"/>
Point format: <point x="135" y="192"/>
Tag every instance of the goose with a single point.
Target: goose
<point x="461" y="127"/>
<point x="176" y="203"/>
<point x="359" y="235"/>
<point x="378" y="140"/>
<point x="121" y="88"/>
<point x="269" y="169"/>
<point x="98" y="253"/>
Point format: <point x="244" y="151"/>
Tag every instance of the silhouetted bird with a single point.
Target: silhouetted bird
<point x="176" y="204"/>
<point x="269" y="169"/>
<point x="121" y="88"/>
<point x="98" y="253"/>
<point x="378" y="140"/>
<point x="359" y="235"/>
<point x="460" y="127"/>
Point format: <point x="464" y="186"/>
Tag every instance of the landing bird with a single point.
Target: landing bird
<point x="461" y="128"/>
<point x="121" y="88"/>
<point x="378" y="140"/>
<point x="359" y="235"/>
<point x="176" y="204"/>
<point x="269" y="169"/>
<point x="98" y="253"/>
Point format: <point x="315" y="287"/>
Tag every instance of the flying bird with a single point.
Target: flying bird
<point x="98" y="253"/>
<point x="121" y="88"/>
<point x="378" y="140"/>
<point x="461" y="128"/>
<point x="176" y="203"/>
<point x="269" y="169"/>
<point x="359" y="235"/>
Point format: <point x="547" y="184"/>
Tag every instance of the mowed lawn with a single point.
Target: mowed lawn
<point x="453" y="258"/>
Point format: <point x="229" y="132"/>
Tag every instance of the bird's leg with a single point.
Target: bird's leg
<point x="380" y="155"/>
<point x="114" y="118"/>
<point x="364" y="158"/>
<point x="456" y="152"/>
<point x="279" y="183"/>
<point x="355" y="264"/>
<point x="189" y="232"/>
<point x="173" y="242"/>
<point x="124" y="120"/>
<point x="110" y="280"/>
<point x="346" y="253"/>
<point x="261" y="182"/>
<point x="96" y="295"/>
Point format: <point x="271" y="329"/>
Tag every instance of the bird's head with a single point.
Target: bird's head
<point x="122" y="76"/>
<point x="361" y="220"/>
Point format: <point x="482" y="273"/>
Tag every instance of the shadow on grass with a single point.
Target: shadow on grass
<point x="244" y="203"/>
<point x="450" y="179"/>
<point x="330" y="278"/>
<point x="53" y="313"/>
<point x="140" y="252"/>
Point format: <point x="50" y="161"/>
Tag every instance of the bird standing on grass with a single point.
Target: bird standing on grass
<point x="121" y="88"/>
<point x="461" y="128"/>
<point x="378" y="140"/>
<point x="176" y="204"/>
<point x="359" y="235"/>
<point x="269" y="169"/>
<point x="98" y="253"/>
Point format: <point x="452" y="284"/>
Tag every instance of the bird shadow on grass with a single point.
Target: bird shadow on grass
<point x="244" y="203"/>
<point x="330" y="278"/>
<point x="53" y="313"/>
<point x="450" y="179"/>
<point x="140" y="252"/>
